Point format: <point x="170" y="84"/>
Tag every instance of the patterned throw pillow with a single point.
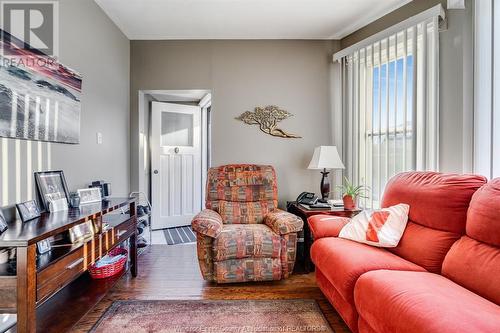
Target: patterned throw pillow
<point x="382" y="227"/>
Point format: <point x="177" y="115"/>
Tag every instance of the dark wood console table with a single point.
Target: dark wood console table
<point x="46" y="284"/>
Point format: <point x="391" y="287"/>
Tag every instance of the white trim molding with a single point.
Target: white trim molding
<point x="436" y="11"/>
<point x="487" y="88"/>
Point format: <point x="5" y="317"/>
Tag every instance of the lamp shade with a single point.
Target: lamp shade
<point x="326" y="157"/>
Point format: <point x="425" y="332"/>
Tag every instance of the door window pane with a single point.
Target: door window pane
<point x="176" y="129"/>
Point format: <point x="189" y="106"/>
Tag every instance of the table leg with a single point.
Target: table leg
<point x="26" y="289"/>
<point x="133" y="240"/>
<point x="133" y="253"/>
<point x="307" y="248"/>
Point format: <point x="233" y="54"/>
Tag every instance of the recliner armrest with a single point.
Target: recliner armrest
<point x="326" y="225"/>
<point x="282" y="222"/>
<point x="208" y="223"/>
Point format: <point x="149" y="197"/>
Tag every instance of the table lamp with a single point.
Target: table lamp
<point x="325" y="157"/>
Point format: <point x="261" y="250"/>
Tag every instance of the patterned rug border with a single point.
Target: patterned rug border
<point x="120" y="302"/>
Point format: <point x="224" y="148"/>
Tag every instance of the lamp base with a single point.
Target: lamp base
<point x="325" y="185"/>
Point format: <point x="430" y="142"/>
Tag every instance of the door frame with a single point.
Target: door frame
<point x="206" y="106"/>
<point x="141" y="169"/>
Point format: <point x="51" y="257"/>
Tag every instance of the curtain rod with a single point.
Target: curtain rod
<point x="437" y="10"/>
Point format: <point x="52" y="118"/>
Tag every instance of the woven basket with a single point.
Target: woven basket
<point x="111" y="269"/>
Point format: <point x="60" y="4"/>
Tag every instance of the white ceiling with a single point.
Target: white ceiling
<point x="244" y="19"/>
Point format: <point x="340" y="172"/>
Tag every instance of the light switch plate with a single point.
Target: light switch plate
<point x="99" y="138"/>
<point x="456" y="4"/>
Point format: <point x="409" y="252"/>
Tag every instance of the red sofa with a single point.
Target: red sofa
<point x="444" y="275"/>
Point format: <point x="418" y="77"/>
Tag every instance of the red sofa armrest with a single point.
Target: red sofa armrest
<point x="326" y="225"/>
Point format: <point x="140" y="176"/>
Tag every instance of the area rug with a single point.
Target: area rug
<point x="233" y="316"/>
<point x="179" y="235"/>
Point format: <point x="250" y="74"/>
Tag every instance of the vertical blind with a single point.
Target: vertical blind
<point x="390" y="107"/>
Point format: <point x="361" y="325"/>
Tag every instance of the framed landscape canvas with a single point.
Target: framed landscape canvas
<point x="39" y="97"/>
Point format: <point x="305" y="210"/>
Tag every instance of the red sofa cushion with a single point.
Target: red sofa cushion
<point x="343" y="261"/>
<point x="397" y="301"/>
<point x="438" y="212"/>
<point x="345" y="309"/>
<point x="364" y="326"/>
<point x="424" y="246"/>
<point x="483" y="220"/>
<point x="475" y="266"/>
<point x="326" y="225"/>
<point x="474" y="261"/>
<point x="438" y="201"/>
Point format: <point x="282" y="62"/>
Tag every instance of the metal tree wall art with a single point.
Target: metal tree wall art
<point x="268" y="118"/>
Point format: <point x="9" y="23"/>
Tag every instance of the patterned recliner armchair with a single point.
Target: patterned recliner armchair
<point x="242" y="235"/>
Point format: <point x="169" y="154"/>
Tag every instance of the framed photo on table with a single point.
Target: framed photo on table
<point x="3" y="223"/>
<point x="43" y="246"/>
<point x="89" y="195"/>
<point x="51" y="185"/>
<point x="28" y="210"/>
<point x="81" y="232"/>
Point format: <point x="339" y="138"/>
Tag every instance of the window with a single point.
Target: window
<point x="388" y="136"/>
<point x="390" y="106"/>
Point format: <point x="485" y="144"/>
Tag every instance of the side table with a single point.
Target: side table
<point x="302" y="212"/>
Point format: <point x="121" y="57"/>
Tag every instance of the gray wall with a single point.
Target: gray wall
<point x="91" y="44"/>
<point x="455" y="75"/>
<point x="456" y="84"/>
<point x="241" y="75"/>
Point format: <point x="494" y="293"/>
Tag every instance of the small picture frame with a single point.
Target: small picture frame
<point x="50" y="185"/>
<point x="81" y="232"/>
<point x="28" y="210"/>
<point x="43" y="246"/>
<point x="3" y="223"/>
<point x="58" y="205"/>
<point x="89" y="195"/>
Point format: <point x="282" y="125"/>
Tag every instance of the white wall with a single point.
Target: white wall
<point x="91" y="44"/>
<point x="456" y="91"/>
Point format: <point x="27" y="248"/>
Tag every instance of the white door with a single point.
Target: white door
<point x="176" y="164"/>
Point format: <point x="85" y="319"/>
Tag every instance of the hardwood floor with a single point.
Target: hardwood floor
<point x="171" y="272"/>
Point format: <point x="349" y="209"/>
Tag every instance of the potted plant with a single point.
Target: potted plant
<point x="350" y="193"/>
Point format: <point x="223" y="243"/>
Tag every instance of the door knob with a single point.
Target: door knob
<point x="155" y="172"/>
<point x="176" y="150"/>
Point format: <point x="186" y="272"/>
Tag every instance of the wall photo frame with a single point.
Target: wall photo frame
<point x="37" y="77"/>
<point x="28" y="210"/>
<point x="51" y="186"/>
